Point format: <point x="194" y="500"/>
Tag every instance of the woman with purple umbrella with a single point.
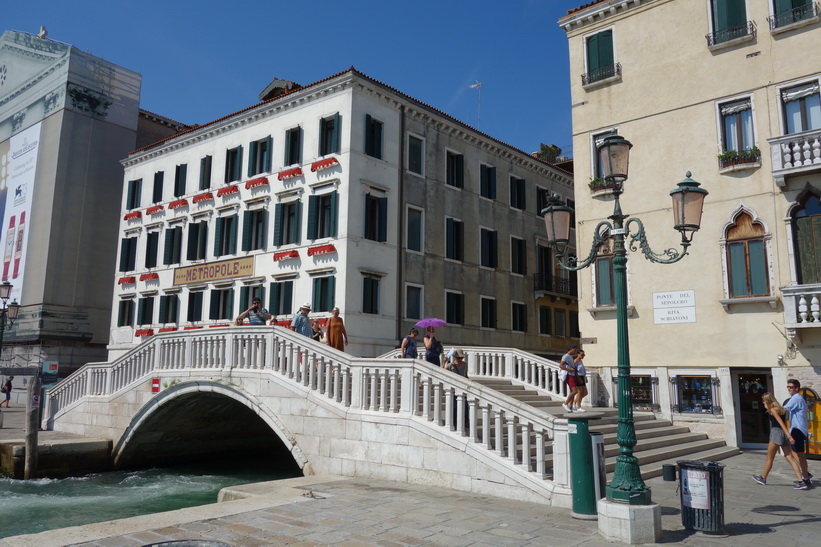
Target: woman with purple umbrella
<point x="433" y="347"/>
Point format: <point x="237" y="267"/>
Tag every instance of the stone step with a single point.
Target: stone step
<point x="654" y="469"/>
<point x="679" y="452"/>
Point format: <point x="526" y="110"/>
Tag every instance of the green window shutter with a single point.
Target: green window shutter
<point x="337" y="134"/>
<point x="460" y="171"/>
<point x="758" y="269"/>
<point x="600" y="50"/>
<point x="449" y="238"/>
<point x="367" y="294"/>
<point x="218" y="235"/>
<point x="243" y="300"/>
<point x="215" y="305"/>
<point x="205" y="172"/>
<point x="298" y="153"/>
<point x="317" y="293"/>
<point x="278" y="221"/>
<point x="331" y="294"/>
<point x="738" y="270"/>
<point x="334" y="205"/>
<point x="369" y="141"/>
<point x="604" y="281"/>
<point x="252" y="158"/>
<point x="382" y="226"/>
<point x="238" y="166"/>
<point x="233" y="222"/>
<point x="593" y="52"/>
<point x="247" y="223"/>
<point x="168" y="250"/>
<point x="193" y="239"/>
<point x="183" y="178"/>
<point x="287" y="297"/>
<point x="492" y="182"/>
<point x="121" y="314"/>
<point x="287" y="160"/>
<point x="483" y="181"/>
<point x="124" y="246"/>
<point x="269" y="147"/>
<point x="164" y="309"/>
<point x="296" y="221"/>
<point x="313" y="204"/>
<point x="728" y="14"/>
<point x="273" y="298"/>
<point x="140" y="311"/>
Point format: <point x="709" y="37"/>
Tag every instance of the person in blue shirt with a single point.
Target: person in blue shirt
<point x="300" y="323"/>
<point x="256" y="314"/>
<point x="796" y="408"/>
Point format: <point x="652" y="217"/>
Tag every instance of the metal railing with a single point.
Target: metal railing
<point x="794" y="15"/>
<point x="602" y="73"/>
<point x="554" y="284"/>
<point x="731" y="33"/>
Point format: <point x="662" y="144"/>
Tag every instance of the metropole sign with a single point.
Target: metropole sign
<point x="214" y="271"/>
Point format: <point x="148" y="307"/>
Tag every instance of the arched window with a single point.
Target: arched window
<point x="807" y="237"/>
<point x="747" y="258"/>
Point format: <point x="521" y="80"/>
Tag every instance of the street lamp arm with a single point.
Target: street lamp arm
<point x="638" y="240"/>
<point x="601" y="236"/>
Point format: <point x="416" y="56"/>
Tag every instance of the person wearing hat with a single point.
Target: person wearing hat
<point x="300" y="323"/>
<point x="460" y="367"/>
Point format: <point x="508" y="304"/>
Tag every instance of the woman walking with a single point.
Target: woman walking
<point x="336" y="334"/>
<point x="779" y="438"/>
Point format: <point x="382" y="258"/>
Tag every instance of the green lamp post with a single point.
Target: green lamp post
<point x="8" y="312"/>
<point x="627" y="485"/>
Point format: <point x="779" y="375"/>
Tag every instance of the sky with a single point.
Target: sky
<point x="203" y="59"/>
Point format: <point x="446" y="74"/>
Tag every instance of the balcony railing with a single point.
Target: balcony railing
<point x="795" y="15"/>
<point x="802" y="306"/>
<point x="731" y="33"/>
<point x="602" y="73"/>
<point x="555" y="285"/>
<point x="796" y="153"/>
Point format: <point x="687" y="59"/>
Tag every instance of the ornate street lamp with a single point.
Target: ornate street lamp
<point x="8" y="312"/>
<point x="688" y="202"/>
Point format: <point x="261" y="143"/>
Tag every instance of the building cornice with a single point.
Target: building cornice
<point x="597" y="12"/>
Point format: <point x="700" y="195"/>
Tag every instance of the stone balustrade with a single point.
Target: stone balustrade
<point x="793" y="154"/>
<point x="802" y="306"/>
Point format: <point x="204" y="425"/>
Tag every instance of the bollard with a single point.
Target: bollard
<point x="701" y="487"/>
<point x="581" y="466"/>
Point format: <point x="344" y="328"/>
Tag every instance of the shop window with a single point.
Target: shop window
<point x="643" y="391"/>
<point x="695" y="394"/>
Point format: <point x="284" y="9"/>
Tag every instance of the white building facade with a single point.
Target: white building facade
<point x="342" y="193"/>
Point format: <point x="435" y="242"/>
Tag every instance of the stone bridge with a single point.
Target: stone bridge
<point x="244" y="390"/>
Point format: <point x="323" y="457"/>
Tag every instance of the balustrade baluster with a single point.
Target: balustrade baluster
<point x="816" y="150"/>
<point x="796" y="154"/>
<point x="472" y="415"/>
<point x="383" y="390"/>
<point x="540" y="454"/>
<point x="787" y="155"/>
<point x="448" y="395"/>
<point x="806" y="152"/>
<point x="346" y="378"/>
<point x="526" y="429"/>
<point x="498" y="434"/>
<point x="487" y="416"/>
<point x="426" y="399"/>
<point x="374" y="398"/>
<point x="392" y="407"/>
<point x="305" y="367"/>
<point x="511" y="439"/>
<point x="802" y="309"/>
<point x="815" y="309"/>
<point x="437" y="403"/>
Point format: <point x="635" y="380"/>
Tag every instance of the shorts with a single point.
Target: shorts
<point x="799" y="443"/>
<point x="778" y="437"/>
<point x="581" y="381"/>
<point x="571" y="381"/>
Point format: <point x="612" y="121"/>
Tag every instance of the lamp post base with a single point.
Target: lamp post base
<point x="642" y="496"/>
<point x="633" y="524"/>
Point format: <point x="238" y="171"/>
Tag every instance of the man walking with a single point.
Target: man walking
<point x="300" y="323"/>
<point x="796" y="408"/>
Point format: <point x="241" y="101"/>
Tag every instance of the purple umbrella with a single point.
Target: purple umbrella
<point x="431" y="322"/>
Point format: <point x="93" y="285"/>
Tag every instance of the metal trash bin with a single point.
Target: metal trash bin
<point x="701" y="487"/>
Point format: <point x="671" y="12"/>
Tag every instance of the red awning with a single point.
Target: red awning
<point x="203" y="197"/>
<point x="324" y="321"/>
<point x="177" y="204"/>
<point x="324" y="164"/>
<point x="321" y="250"/>
<point x="253" y="183"/>
<point x="149" y="275"/>
<point x="132" y="215"/>
<point x="217" y="326"/>
<point x="128" y="280"/>
<point x="227" y="190"/>
<point x="282" y="255"/>
<point x="144" y="332"/>
<point x="192" y="327"/>
<point x="168" y="329"/>
<point x="290" y="173"/>
<point x="153" y="210"/>
<point x="285" y="323"/>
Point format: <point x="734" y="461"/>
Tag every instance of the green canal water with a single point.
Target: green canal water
<point x="32" y="506"/>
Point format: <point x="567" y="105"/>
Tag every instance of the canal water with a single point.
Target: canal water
<point x="32" y="506"/>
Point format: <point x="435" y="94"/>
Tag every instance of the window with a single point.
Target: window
<point x="329" y="132"/>
<point x="373" y="137"/>
<point x="152" y="248"/>
<point x="132" y="198"/>
<point x="128" y="254"/>
<point x="455" y="170"/>
<point x="222" y="304"/>
<point x="324" y="293"/>
<point x="156" y="194"/>
<point x="518" y="256"/>
<point x="488" y="313"/>
<point x="487" y="181"/>
<point x="254" y="229"/>
<point x="248" y="294"/>
<point x="518" y="318"/>
<point x="559" y="322"/>
<point x="788" y="12"/>
<point x="518" y="193"/>
<point x="205" y="173"/>
<point x="125" y="313"/>
<point x="802" y="108"/>
<point x="180" y="174"/>
<point x="807" y="237"/>
<point x="233" y="164"/>
<point x="370" y="294"/>
<point x="574" y="324"/>
<point x="286" y="223"/>
<point x="259" y="156"/>
<point x="694" y="394"/>
<point x="416" y="155"/>
<point x="376" y="217"/>
<point x="195" y="306"/>
<point x="544" y="320"/>
<point x="605" y="292"/>
<point x="145" y="311"/>
<point x="729" y="19"/>
<point x="601" y="63"/>
<point x="322" y="215"/>
<point x="173" y="246"/>
<point x="169" y="308"/>
<point x="197" y="240"/>
<point x="737" y="125"/>
<point x="454" y="308"/>
<point x="413" y="301"/>
<point x="747" y="258"/>
<point x="293" y="146"/>
<point x="490" y="255"/>
<point x="415" y="229"/>
<point x="225" y="235"/>
<point x="282" y="298"/>
<point x="454" y="239"/>
<point x="542" y="198"/>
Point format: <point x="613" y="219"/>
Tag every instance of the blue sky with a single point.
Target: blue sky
<point x="200" y="60"/>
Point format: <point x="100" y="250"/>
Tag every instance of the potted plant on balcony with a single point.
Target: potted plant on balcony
<point x="599" y="186"/>
<point x="729" y="158"/>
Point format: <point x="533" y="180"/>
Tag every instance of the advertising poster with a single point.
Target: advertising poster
<point x="20" y="166"/>
<point x="695" y="490"/>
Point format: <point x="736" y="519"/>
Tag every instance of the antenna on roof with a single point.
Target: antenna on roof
<point x="478" y="85"/>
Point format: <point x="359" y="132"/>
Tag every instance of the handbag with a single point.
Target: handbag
<point x="563" y="375"/>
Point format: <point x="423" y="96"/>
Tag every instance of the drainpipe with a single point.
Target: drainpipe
<point x="400" y="248"/>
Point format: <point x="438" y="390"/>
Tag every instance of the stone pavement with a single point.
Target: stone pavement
<point x="325" y="510"/>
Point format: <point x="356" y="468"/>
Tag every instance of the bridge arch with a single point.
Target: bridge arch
<point x="192" y="420"/>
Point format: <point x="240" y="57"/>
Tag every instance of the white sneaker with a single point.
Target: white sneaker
<point x="580" y="410"/>
<point x="567" y="408"/>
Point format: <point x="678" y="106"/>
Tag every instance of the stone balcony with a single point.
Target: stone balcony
<point x="799" y="153"/>
<point x="802" y="308"/>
